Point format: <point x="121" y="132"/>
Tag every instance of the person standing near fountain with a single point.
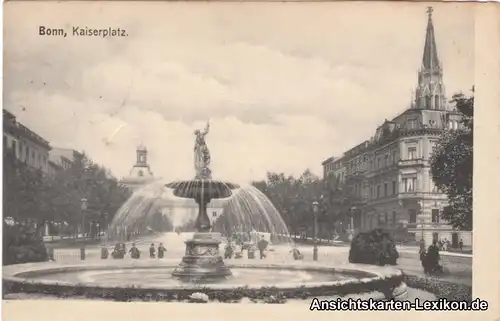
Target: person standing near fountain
<point x="161" y="251"/>
<point x="134" y="252"/>
<point x="202" y="154"/>
<point x="152" y="251"/>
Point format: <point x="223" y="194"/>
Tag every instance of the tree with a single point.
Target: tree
<point x="451" y="166"/>
<point x="23" y="192"/>
<point x="85" y="180"/>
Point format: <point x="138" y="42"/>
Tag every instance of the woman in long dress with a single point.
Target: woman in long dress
<point x="202" y="154"/>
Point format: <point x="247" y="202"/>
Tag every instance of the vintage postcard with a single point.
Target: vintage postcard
<point x="283" y="157"/>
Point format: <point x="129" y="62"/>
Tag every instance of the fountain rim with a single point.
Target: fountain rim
<point x="228" y="184"/>
<point x="19" y="273"/>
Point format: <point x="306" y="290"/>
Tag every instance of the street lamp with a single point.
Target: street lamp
<point x="83" y="208"/>
<point x="315" y="230"/>
<point x="422" y="227"/>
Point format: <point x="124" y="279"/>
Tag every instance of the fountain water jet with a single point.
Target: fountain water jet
<point x="250" y="209"/>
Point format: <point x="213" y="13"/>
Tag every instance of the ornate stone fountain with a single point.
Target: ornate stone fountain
<point x="202" y="261"/>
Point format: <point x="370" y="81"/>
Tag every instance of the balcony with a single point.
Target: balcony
<point x="412" y="162"/>
<point x="419" y="195"/>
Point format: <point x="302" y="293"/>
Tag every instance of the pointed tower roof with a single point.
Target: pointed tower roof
<point x="430" y="59"/>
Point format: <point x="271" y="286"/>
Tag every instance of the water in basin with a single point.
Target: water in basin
<point x="153" y="277"/>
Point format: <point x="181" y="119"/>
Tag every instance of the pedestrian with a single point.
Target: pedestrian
<point x="422" y="245"/>
<point x="229" y="250"/>
<point x="262" y="245"/>
<point x="152" y="251"/>
<point x="161" y="251"/>
<point x="134" y="252"/>
<point x="104" y="252"/>
<point x="461" y="244"/>
<point x="432" y="258"/>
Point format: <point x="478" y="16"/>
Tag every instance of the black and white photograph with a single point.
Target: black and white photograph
<point x="295" y="154"/>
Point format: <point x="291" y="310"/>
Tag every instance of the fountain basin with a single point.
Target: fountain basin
<point x="198" y="188"/>
<point x="249" y="280"/>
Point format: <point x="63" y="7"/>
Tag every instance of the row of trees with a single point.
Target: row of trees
<point x="293" y="198"/>
<point x="32" y="197"/>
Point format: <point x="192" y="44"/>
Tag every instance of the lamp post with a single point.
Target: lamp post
<point x="422" y="223"/>
<point x="105" y="227"/>
<point x="315" y="230"/>
<point x="83" y="208"/>
<point x="351" y="223"/>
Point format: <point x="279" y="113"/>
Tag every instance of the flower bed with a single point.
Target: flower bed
<point x="441" y="288"/>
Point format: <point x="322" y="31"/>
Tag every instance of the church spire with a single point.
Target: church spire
<point x="430" y="93"/>
<point x="430" y="59"/>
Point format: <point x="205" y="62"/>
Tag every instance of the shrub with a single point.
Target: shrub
<point x="374" y="247"/>
<point x="22" y="245"/>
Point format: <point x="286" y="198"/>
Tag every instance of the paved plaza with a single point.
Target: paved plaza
<point x="458" y="265"/>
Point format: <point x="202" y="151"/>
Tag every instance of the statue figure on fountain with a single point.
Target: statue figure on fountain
<point x="202" y="154"/>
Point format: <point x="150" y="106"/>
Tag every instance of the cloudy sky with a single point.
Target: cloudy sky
<point x="285" y="85"/>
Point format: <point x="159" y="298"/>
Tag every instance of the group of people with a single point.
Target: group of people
<point x="230" y="249"/>
<point x="120" y="251"/>
<point x="161" y="251"/>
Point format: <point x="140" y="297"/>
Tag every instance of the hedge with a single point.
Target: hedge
<point x="440" y="288"/>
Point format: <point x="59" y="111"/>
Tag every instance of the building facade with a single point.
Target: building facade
<point x="140" y="174"/>
<point x="26" y="145"/>
<point x="62" y="159"/>
<point x="390" y="173"/>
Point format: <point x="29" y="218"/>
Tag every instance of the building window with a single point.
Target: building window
<point x="378" y="163"/>
<point x="412" y="215"/>
<point x="393" y="218"/>
<point x="378" y="191"/>
<point x="428" y="102"/>
<point x="4" y="141"/>
<point x="386" y="218"/>
<point x="412" y="152"/>
<point x="385" y="190"/>
<point x="214" y="214"/>
<point x="433" y="186"/>
<point x="435" y="216"/>
<point x="409" y="184"/>
<point x="14" y="147"/>
<point x="393" y="187"/>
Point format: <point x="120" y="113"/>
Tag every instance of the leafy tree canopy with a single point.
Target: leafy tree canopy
<point x="451" y="166"/>
<point x="30" y="195"/>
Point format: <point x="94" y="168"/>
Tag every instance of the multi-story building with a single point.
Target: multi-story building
<point x="62" y="159"/>
<point x="26" y="145"/>
<point x="390" y="173"/>
<point x="334" y="166"/>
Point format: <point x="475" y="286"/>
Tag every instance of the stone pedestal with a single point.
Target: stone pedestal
<point x="202" y="261"/>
